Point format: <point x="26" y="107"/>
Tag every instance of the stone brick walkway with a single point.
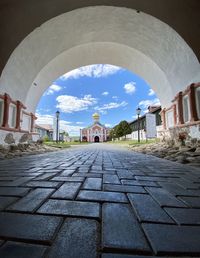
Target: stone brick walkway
<point x="96" y="201"/>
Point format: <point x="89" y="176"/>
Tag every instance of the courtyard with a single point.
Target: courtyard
<point x="98" y="200"/>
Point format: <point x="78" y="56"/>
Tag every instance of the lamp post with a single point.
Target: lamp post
<point x="138" y="111"/>
<point x="57" y="119"/>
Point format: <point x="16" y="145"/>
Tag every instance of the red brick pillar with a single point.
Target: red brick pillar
<point x="18" y="118"/>
<point x="193" y="110"/>
<point x="163" y="117"/>
<point x="175" y="114"/>
<point x="7" y="101"/>
<point x="180" y="107"/>
<point x="33" y="118"/>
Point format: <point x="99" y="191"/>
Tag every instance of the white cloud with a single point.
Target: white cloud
<point x="73" y="130"/>
<point x="44" y="119"/>
<point x="70" y="104"/>
<point x="111" y="105"/>
<point x="151" y="92"/>
<point x="95" y="71"/>
<point x="134" y="117"/>
<point x="145" y="103"/>
<point x="130" y="87"/>
<point x="105" y="93"/>
<point x="64" y="125"/>
<point x="115" y="97"/>
<point x="53" y="88"/>
<point x="79" y="123"/>
<point x="48" y="119"/>
<point x="108" y="125"/>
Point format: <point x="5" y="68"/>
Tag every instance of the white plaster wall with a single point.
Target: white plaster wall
<point x="16" y="136"/>
<point x="194" y="131"/>
<point x="154" y="40"/>
<point x="105" y="52"/>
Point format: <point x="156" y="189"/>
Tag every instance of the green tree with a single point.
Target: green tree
<point x="112" y="134"/>
<point x="123" y="128"/>
<point x="66" y="133"/>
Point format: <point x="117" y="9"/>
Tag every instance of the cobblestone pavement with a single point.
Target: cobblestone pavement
<point x="97" y="201"/>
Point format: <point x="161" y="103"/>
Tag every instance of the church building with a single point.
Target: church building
<point x="96" y="132"/>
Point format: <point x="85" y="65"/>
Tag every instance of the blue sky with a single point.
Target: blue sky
<point x="113" y="92"/>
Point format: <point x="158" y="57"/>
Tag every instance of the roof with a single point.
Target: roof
<point x="152" y="110"/>
<point x="95" y="123"/>
<point x="44" y="126"/>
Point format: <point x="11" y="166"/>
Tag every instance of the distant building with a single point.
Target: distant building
<point x="44" y="130"/>
<point x="96" y="132"/>
<point x="142" y="124"/>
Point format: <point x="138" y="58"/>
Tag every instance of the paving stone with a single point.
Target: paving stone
<point x="29" y="227"/>
<point x="67" y="173"/>
<point x="45" y="176"/>
<point x="114" y="255"/>
<point x="164" y="198"/>
<point x="111" y="179"/>
<point x="13" y="191"/>
<point x="152" y="178"/>
<point x="178" y="190"/>
<point x="185" y="216"/>
<point x="125" y="175"/>
<point x="123" y="188"/>
<point x="47" y="184"/>
<point x="102" y="172"/>
<point x="187" y="184"/>
<point x="130" y="182"/>
<point x="77" y="238"/>
<point x="5" y="201"/>
<point x="71" y="208"/>
<point x="193" y="202"/>
<point x="21" y="250"/>
<point x="16" y="182"/>
<point x="67" y="190"/>
<point x="166" y="239"/>
<point x="95" y="175"/>
<point x="32" y="200"/>
<point x="147" y="209"/>
<point x="68" y="179"/>
<point x="120" y="229"/>
<point x="92" y="183"/>
<point x="101" y="196"/>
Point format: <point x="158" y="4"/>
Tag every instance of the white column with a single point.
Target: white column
<point x="81" y="135"/>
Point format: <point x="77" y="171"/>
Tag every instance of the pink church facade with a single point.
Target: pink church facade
<point x="96" y="132"/>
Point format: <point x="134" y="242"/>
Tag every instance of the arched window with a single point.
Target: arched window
<point x="12" y="115"/>
<point x="1" y="111"/>
<point x="197" y="95"/>
<point x="186" y="109"/>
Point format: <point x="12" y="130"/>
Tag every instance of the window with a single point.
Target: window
<point x="170" y="118"/>
<point x="198" y="101"/>
<point x="12" y="116"/>
<point x="186" y="109"/>
<point x="26" y="124"/>
<point x="1" y="111"/>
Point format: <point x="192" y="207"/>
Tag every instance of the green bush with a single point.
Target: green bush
<point x="46" y="138"/>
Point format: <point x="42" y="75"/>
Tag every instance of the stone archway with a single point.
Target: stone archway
<point x="113" y="35"/>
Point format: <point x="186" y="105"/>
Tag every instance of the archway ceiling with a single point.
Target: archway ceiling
<point x="18" y="18"/>
<point x="140" y="42"/>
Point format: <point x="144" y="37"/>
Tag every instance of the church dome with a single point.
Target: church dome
<point x="96" y="116"/>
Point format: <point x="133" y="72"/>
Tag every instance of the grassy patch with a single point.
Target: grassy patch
<point x="63" y="145"/>
<point x="134" y="142"/>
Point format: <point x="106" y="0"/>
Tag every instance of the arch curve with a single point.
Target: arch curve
<point x="136" y="41"/>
